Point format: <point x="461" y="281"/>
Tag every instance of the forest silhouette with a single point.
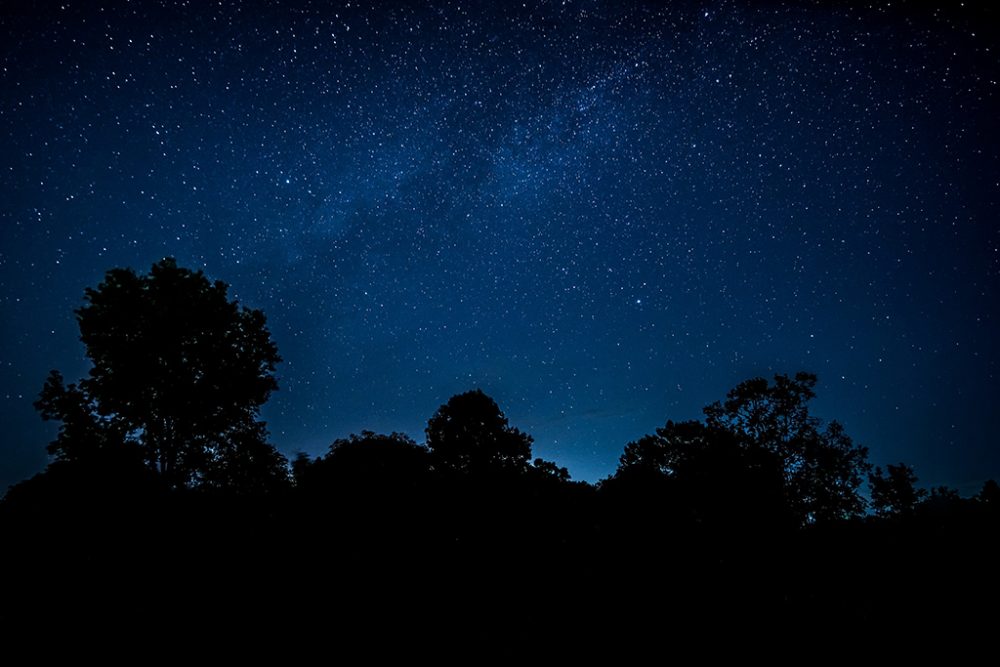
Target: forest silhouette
<point x="166" y="511"/>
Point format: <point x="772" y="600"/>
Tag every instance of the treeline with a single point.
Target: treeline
<point x="164" y="500"/>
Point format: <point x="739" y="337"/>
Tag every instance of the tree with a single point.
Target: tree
<point x="823" y="468"/>
<point x="301" y="467"/>
<point x="245" y="463"/>
<point x="830" y="469"/>
<point x="989" y="495"/>
<point x="391" y="463"/>
<point x="178" y="370"/>
<point x="470" y="434"/>
<point x="377" y="488"/>
<point x="549" y="470"/>
<point x="893" y="492"/>
<point x="707" y="473"/>
<point x="83" y="435"/>
<point x="665" y="451"/>
<point x="941" y="500"/>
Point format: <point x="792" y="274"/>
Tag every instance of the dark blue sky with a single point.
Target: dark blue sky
<point x="604" y="214"/>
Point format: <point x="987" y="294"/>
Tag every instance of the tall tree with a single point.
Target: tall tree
<point x="178" y="369"/>
<point x="470" y="433"/>
<point x="823" y="468"/>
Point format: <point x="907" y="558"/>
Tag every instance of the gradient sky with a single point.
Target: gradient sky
<point x="604" y="214"/>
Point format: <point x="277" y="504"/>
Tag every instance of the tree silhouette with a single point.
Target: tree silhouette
<point x="823" y="468"/>
<point x="711" y="476"/>
<point x="367" y="462"/>
<point x="706" y="512"/>
<point x="245" y="463"/>
<point x="179" y="371"/>
<point x="989" y="495"/>
<point x="83" y="435"/>
<point x="470" y="434"/>
<point x="893" y="492"/>
<point x="941" y="499"/>
<point x="665" y="451"/>
<point x="825" y="476"/>
<point x="550" y="470"/>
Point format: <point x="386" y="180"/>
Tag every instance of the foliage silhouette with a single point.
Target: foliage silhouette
<point x="179" y="371"/>
<point x="470" y="434"/>
<point x="369" y="462"/>
<point x="165" y="507"/>
<point x="823" y="468"/>
<point x="893" y="492"/>
<point x="550" y="470"/>
<point x="764" y="447"/>
<point x="990" y="494"/>
<point x="941" y="501"/>
<point x="708" y="475"/>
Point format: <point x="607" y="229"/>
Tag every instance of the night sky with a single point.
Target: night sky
<point x="604" y="214"/>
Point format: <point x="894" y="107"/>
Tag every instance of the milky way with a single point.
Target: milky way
<point x="603" y="214"/>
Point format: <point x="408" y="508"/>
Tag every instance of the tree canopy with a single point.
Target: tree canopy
<point x="763" y="427"/>
<point x="893" y="492"/>
<point x="470" y="433"/>
<point x="179" y="371"/>
<point x="368" y="461"/>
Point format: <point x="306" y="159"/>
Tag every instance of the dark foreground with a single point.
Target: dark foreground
<point x="502" y="568"/>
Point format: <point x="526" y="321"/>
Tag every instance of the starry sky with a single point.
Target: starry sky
<point x="604" y="214"/>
